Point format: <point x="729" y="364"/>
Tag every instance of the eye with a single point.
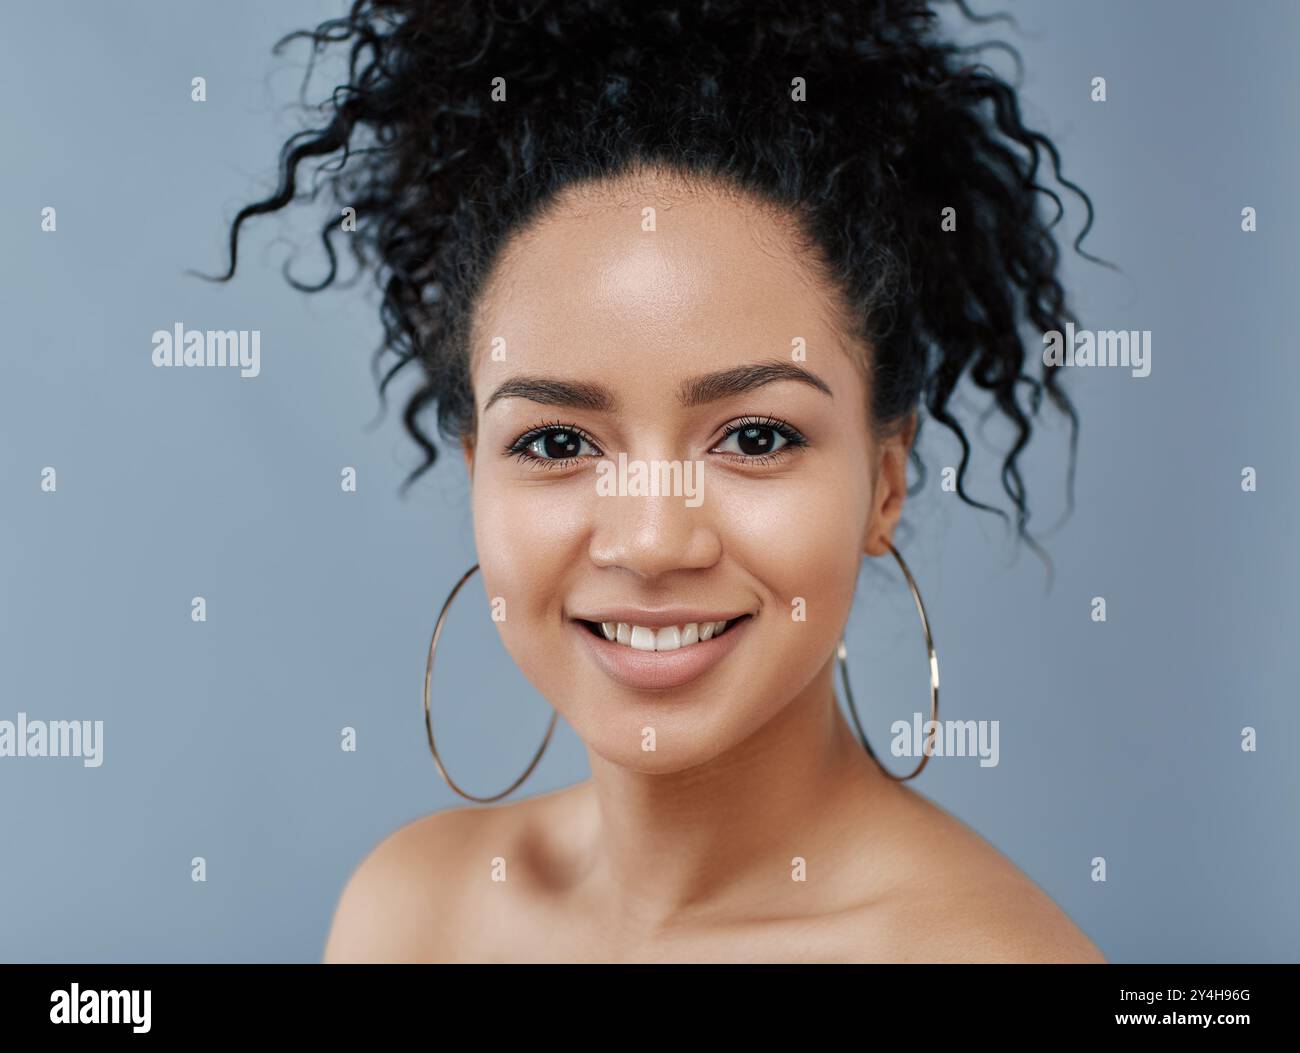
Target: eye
<point x="553" y="442"/>
<point x="759" y="438"/>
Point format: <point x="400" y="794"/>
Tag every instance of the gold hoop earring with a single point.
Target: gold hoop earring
<point x="842" y="652"/>
<point x="428" y="723"/>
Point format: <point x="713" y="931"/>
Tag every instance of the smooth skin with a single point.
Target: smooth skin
<point x="687" y="852"/>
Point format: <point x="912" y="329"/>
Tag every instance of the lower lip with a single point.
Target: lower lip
<point x="660" y="670"/>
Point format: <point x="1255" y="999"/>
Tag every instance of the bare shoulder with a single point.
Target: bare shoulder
<point x="397" y="900"/>
<point x="411" y="898"/>
<point x="967" y="902"/>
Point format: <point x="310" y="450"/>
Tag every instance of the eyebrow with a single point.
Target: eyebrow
<point x="697" y="391"/>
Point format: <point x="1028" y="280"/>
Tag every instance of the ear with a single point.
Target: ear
<point x="891" y="486"/>
<point x="467" y="450"/>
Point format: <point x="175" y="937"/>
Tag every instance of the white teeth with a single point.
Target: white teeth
<point x="669" y="638"/>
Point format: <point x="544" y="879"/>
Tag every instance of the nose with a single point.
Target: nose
<point x="653" y="536"/>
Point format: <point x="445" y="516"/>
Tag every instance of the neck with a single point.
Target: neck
<point x="727" y="831"/>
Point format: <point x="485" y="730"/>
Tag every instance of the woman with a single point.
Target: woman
<point x="680" y="280"/>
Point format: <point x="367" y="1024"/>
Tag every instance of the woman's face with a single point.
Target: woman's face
<point x="671" y="431"/>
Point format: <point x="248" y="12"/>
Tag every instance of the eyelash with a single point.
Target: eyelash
<point x="519" y="448"/>
<point x="794" y="439"/>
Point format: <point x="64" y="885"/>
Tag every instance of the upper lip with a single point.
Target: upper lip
<point x="660" y="618"/>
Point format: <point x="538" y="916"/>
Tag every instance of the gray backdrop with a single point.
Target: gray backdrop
<point x="1119" y="739"/>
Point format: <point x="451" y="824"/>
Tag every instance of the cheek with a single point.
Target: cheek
<point x="528" y="536"/>
<point x="803" y="539"/>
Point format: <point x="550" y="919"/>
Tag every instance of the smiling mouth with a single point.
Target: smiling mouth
<point x="668" y="638"/>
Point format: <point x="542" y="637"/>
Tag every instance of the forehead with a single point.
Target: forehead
<point x="655" y="274"/>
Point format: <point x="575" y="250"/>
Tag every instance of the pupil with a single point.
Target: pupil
<point x="755" y="441"/>
<point x="560" y="444"/>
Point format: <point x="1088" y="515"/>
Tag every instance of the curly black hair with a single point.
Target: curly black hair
<point x="898" y="125"/>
